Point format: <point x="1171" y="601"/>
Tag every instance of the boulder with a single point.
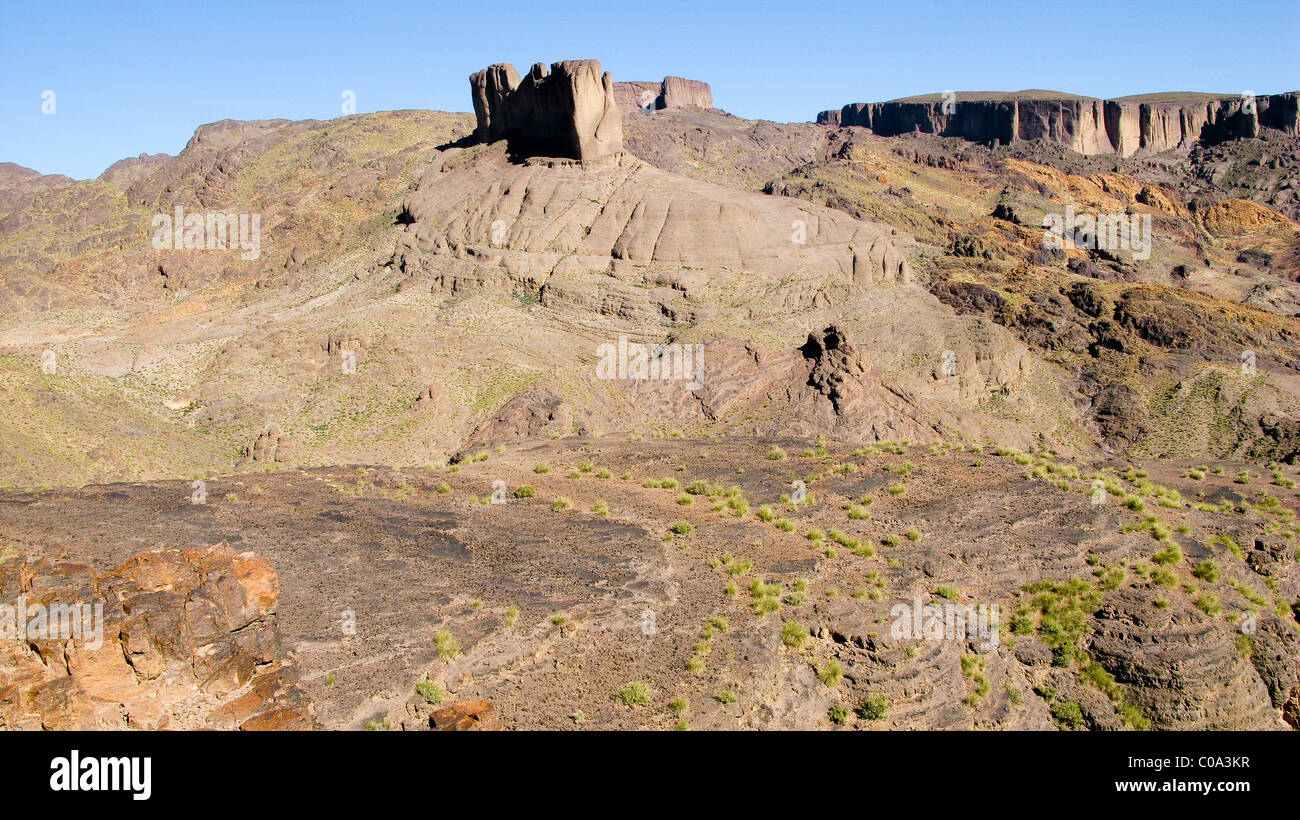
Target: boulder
<point x="467" y="716"/>
<point x="175" y="638"/>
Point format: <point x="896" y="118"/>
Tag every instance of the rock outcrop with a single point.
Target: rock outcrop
<point x="672" y="92"/>
<point x="1082" y="124"/>
<point x="174" y="639"/>
<point x="629" y="216"/>
<point x="567" y="112"/>
<point x="271" y="445"/>
<point x="466" y="716"/>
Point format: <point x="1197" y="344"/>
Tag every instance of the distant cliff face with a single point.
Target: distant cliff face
<point x="672" y="92"/>
<point x="1085" y="125"/>
<point x="568" y="112"/>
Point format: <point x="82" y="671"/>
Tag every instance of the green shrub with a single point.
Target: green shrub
<point x="430" y="691"/>
<point x="1067" y="715"/>
<point x="873" y="707"/>
<point x="1208" y="603"/>
<point x="447" y="646"/>
<point x="831" y="673"/>
<point x="1207" y="571"/>
<point x="795" y="635"/>
<point x="1172" y="554"/>
<point x="635" y="693"/>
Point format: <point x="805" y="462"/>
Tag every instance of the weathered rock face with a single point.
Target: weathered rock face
<point x="185" y="639"/>
<point x="568" y="112"/>
<point x="1182" y="668"/>
<point x="629" y="215"/>
<point x="672" y="92"/>
<point x="1085" y="125"/>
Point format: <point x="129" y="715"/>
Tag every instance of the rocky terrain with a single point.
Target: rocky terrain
<point x="676" y="564"/>
<point x="439" y="420"/>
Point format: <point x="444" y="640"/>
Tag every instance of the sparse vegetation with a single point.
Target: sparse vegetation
<point x="873" y="707"/>
<point x="430" y="691"/>
<point x="446" y="645"/>
<point x="635" y="693"/>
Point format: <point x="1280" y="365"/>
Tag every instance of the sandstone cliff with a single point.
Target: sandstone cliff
<point x="672" y="92"/>
<point x="568" y="112"/>
<point x="1082" y="124"/>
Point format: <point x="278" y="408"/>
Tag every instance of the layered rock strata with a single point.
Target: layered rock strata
<point x="1085" y="125"/>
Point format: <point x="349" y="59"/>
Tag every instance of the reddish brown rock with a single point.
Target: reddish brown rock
<point x="467" y="716"/>
<point x="162" y="626"/>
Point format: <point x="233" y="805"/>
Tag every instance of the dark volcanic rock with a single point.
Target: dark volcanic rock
<point x="1181" y="668"/>
<point x="1120" y="412"/>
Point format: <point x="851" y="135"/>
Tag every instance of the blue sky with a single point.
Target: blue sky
<point x="144" y="79"/>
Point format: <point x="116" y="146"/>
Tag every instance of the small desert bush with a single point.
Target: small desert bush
<point x="635" y="693"/>
<point x="795" y="635"/>
<point x="873" y="707"/>
<point x="446" y="644"/>
<point x="430" y="691"/>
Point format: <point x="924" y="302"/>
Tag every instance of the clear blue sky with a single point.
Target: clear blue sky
<point x="143" y="79"/>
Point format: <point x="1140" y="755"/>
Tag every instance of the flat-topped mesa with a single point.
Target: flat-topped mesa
<point x="568" y="112"/>
<point x="1082" y="124"/>
<point x="672" y="92"/>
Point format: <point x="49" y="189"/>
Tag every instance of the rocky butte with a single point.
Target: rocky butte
<point x="672" y="92"/>
<point x="568" y="112"/>
<point x="1149" y="123"/>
